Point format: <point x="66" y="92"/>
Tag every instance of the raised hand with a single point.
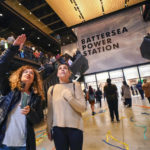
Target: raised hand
<point x="20" y="41"/>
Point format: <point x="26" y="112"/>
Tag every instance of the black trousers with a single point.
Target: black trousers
<point x="142" y="94"/>
<point x="65" y="138"/>
<point x="113" y="109"/>
<point x="148" y="99"/>
<point x="99" y="100"/>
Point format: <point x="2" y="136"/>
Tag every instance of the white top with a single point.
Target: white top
<point x="15" y="135"/>
<point x="65" y="109"/>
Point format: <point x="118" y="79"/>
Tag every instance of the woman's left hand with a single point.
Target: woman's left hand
<point x="25" y="110"/>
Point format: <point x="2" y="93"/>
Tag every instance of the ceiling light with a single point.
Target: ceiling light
<point x="68" y="37"/>
<point x="22" y="28"/>
<point x="39" y="19"/>
<point x="33" y="48"/>
<point x="63" y="43"/>
<point x="38" y="38"/>
<point x="49" y="44"/>
<point x="1" y="14"/>
<point x="30" y="13"/>
<point x="20" y="4"/>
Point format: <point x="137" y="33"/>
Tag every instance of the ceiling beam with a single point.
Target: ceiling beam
<point x="59" y="28"/>
<point x="53" y="22"/>
<point x="45" y="16"/>
<point x="4" y="30"/>
<point x="38" y="7"/>
<point x="25" y="15"/>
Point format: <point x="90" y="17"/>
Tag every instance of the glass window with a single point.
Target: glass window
<point x="144" y="70"/>
<point x="102" y="76"/>
<point x="131" y="73"/>
<point x="116" y="74"/>
<point x="89" y="78"/>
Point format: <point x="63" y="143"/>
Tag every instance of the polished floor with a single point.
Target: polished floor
<point x="132" y="133"/>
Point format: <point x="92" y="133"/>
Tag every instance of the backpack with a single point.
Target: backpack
<point x="91" y="98"/>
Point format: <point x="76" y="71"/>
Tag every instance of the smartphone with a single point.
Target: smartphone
<point x="24" y="101"/>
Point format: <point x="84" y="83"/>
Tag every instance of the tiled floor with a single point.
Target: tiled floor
<point x="132" y="133"/>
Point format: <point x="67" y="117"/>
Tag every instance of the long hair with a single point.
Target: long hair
<point x="36" y="86"/>
<point x="91" y="90"/>
<point x="125" y="83"/>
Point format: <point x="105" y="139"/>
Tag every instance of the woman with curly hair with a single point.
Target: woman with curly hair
<point x="22" y="110"/>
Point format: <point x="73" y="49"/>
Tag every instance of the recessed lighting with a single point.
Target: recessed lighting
<point x="39" y="20"/>
<point x="30" y="13"/>
<point x="38" y="38"/>
<point x="49" y="44"/>
<point x="1" y="14"/>
<point x="20" y="4"/>
<point x="22" y="28"/>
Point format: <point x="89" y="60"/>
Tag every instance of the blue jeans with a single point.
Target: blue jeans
<point x="4" y="147"/>
<point x="65" y="138"/>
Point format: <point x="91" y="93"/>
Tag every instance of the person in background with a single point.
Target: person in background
<point x="111" y="94"/>
<point x="146" y="89"/>
<point x="126" y="94"/>
<point x="139" y="87"/>
<point x="66" y="104"/>
<point x="69" y="62"/>
<point x="57" y="56"/>
<point x="36" y="55"/>
<point x="99" y="96"/>
<point x="22" y="53"/>
<point x="2" y="44"/>
<point x="91" y="98"/>
<point x="132" y="89"/>
<point x="41" y="67"/>
<point x="10" y="40"/>
<point x="21" y="108"/>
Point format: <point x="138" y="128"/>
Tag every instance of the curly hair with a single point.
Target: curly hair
<point x="36" y="86"/>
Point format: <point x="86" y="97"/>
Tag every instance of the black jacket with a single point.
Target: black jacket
<point x="35" y="116"/>
<point x="5" y="60"/>
<point x="110" y="92"/>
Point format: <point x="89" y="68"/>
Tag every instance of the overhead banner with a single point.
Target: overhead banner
<point x="113" y="42"/>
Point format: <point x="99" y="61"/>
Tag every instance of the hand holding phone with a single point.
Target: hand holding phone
<point x="24" y="101"/>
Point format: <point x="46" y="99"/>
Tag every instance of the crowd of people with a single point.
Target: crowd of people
<point x="27" y="52"/>
<point x="48" y="62"/>
<point x="111" y="94"/>
<point x="52" y="64"/>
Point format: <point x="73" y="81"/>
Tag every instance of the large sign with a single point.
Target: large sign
<point x="74" y="12"/>
<point x="113" y="42"/>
